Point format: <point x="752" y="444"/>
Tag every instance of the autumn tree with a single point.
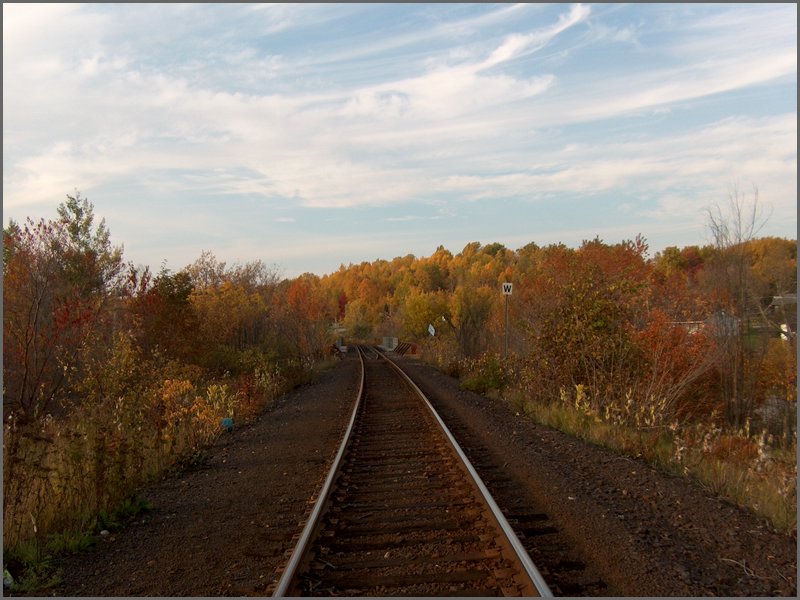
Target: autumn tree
<point x="234" y="307"/>
<point x="471" y="309"/>
<point x="675" y="282"/>
<point x="432" y="274"/>
<point x="423" y="309"/>
<point x="671" y="363"/>
<point x="59" y="277"/>
<point x="577" y="310"/>
<point x="305" y="315"/>
<point x="774" y="278"/>
<point x="730" y="284"/>
<point x="166" y="319"/>
<point x="359" y="319"/>
<point x="206" y="272"/>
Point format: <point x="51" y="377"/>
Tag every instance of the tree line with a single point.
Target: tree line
<point x="603" y="316"/>
<point x="127" y="370"/>
<point x="114" y="374"/>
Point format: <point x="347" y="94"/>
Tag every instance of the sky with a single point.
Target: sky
<point x="310" y="136"/>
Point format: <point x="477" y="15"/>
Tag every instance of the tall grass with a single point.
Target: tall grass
<point x="740" y="466"/>
<point x="750" y="468"/>
<point x="60" y="473"/>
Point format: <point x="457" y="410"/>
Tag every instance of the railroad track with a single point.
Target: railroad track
<point x="402" y="511"/>
<point x="566" y="572"/>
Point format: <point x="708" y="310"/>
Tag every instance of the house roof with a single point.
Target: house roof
<point x="785" y="300"/>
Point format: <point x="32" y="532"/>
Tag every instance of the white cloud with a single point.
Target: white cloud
<point x="407" y="218"/>
<point x="518" y="44"/>
<point x="441" y="111"/>
<point x="693" y="166"/>
<point x="449" y="91"/>
<point x="276" y="17"/>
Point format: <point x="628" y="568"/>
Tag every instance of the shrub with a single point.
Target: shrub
<point x="442" y="352"/>
<point x="483" y="374"/>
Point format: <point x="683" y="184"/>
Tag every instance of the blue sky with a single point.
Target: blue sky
<point x="310" y="136"/>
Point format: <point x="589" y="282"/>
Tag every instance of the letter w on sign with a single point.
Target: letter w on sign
<point x="507" y="288"/>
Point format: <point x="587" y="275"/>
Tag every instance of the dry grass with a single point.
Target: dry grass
<point x="738" y="466"/>
<point x="59" y="474"/>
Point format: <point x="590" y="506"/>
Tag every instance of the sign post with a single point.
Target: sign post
<point x="507" y="288"/>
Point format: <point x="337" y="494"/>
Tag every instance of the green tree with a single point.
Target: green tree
<point x="91" y="263"/>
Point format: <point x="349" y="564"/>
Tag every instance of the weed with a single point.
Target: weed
<point x="36" y="579"/>
<point x="135" y="506"/>
<point x="127" y="509"/>
<point x="484" y="374"/>
<point x="31" y="570"/>
<point x="742" y="466"/>
<point x="106" y="521"/>
<point x="70" y="542"/>
<point x="31" y="564"/>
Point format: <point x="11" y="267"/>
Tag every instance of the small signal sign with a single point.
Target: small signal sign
<point x="507" y="287"/>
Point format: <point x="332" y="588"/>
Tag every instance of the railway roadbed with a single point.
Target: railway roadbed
<point x="614" y="526"/>
<point x="645" y="533"/>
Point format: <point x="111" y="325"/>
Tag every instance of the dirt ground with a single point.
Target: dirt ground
<point x="223" y="529"/>
<point x="646" y="532"/>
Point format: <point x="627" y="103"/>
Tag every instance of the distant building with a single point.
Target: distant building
<point x="389" y="343"/>
<point x="783" y="310"/>
<point x="692" y="327"/>
<point x="723" y="325"/>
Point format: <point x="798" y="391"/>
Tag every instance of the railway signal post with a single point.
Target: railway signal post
<point x="507" y="288"/>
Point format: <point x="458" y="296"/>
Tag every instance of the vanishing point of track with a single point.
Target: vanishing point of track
<point x="402" y="511"/>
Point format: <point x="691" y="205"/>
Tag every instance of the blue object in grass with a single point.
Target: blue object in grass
<point x="227" y="423"/>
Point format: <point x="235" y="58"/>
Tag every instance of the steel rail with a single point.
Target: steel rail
<point x="530" y="569"/>
<point x="305" y="537"/>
